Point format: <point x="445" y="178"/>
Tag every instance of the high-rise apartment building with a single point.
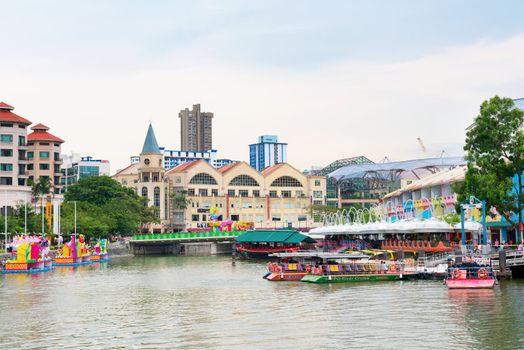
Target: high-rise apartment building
<point x="196" y="129"/>
<point x="267" y="152"/>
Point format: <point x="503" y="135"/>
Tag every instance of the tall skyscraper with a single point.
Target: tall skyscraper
<point x="267" y="152"/>
<point x="196" y="129"/>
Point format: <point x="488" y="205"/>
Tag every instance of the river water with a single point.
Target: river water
<point x="206" y="303"/>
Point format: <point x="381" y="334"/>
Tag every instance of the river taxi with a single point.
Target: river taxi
<point x="293" y="266"/>
<point x="470" y="275"/>
<point x="357" y="268"/>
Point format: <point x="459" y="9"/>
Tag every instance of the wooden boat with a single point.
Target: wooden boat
<point x="470" y="276"/>
<point x="291" y="266"/>
<point x="263" y="251"/>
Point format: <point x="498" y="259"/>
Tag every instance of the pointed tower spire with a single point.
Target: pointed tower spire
<point x="150" y="144"/>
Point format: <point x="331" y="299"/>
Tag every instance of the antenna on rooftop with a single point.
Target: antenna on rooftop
<point x="384" y="160"/>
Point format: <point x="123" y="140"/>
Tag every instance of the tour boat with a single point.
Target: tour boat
<point x="262" y="243"/>
<point x="291" y="266"/>
<point x="470" y="275"/>
<point x="357" y="268"/>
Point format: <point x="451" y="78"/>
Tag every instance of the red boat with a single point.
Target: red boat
<point x="470" y="275"/>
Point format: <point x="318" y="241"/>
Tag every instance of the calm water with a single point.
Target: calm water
<point x="206" y="303"/>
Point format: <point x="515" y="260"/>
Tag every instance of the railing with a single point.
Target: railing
<point x="185" y="235"/>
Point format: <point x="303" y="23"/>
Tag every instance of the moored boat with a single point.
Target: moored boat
<point x="470" y="276"/>
<point x="260" y="244"/>
<point x="28" y="257"/>
<point x="73" y="253"/>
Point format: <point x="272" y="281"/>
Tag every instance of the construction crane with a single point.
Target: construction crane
<point x="421" y="144"/>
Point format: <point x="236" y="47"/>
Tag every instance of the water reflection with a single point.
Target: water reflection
<point x="172" y="302"/>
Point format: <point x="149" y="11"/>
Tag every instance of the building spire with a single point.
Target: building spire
<point x="150" y="144"/>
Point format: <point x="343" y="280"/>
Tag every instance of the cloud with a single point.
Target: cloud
<point x="341" y="109"/>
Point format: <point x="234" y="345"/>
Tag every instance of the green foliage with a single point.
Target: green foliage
<point x="104" y="207"/>
<point x="495" y="154"/>
<point x="452" y="218"/>
<point x="180" y="200"/>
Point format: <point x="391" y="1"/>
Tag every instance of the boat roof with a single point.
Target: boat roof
<point x="275" y="236"/>
<point x="321" y="255"/>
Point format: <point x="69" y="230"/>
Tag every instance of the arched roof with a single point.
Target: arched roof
<point x="397" y="170"/>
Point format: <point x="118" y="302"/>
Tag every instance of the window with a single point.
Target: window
<point x="30" y="155"/>
<point x="156" y="177"/>
<point x="286" y="181"/>
<point x="299" y="193"/>
<point x="195" y="217"/>
<point x="231" y="193"/>
<point x="259" y="218"/>
<point x="202" y="192"/>
<point x="190" y="191"/>
<point x="317" y="182"/>
<point x="275" y="205"/>
<point x="146" y="161"/>
<point x="247" y="205"/>
<point x="243" y="180"/>
<point x="273" y="194"/>
<point x="288" y="205"/>
<point x="144" y="191"/>
<point x="6" y="138"/>
<point x="214" y="192"/>
<point x="178" y="179"/>
<point x="21" y="140"/>
<point x="6" y="181"/>
<point x="57" y="156"/>
<point x="317" y="194"/>
<point x="243" y="193"/>
<point x="203" y="179"/>
<point x="156" y="197"/>
<point x="44" y="154"/>
<point x="145" y="177"/>
<point x="235" y="217"/>
<point x="286" y="194"/>
<point x="204" y="217"/>
<point x="6" y="125"/>
<point x="44" y="143"/>
<point x="21" y="126"/>
<point x="30" y="167"/>
<point x="6" y="167"/>
<point x="256" y="193"/>
<point x="44" y="166"/>
<point x="86" y="171"/>
<point x="275" y="218"/>
<point x="6" y="152"/>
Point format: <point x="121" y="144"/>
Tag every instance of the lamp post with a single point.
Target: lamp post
<point x="5" y="221"/>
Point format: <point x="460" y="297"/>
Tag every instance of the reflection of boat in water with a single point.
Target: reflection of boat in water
<point x="315" y="267"/>
<point x="470" y="276"/>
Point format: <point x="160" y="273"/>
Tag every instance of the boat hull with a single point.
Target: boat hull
<point x="100" y="258"/>
<point x="285" y="276"/>
<point x="354" y="278"/>
<point x="471" y="283"/>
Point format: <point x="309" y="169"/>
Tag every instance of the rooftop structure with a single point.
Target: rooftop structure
<point x="267" y="152"/>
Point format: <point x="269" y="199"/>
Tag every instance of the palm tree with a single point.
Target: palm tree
<point x="180" y="203"/>
<point x="40" y="189"/>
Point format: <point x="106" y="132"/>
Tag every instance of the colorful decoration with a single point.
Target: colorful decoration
<point x="28" y="254"/>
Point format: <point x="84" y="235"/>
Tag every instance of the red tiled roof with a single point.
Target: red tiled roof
<point x="183" y="167"/>
<point x="270" y="169"/>
<point x="40" y="126"/>
<point x="7" y="116"/>
<point x="228" y="167"/>
<point x="43" y="136"/>
<point x="4" y="105"/>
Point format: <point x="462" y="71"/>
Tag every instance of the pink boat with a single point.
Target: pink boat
<point x="470" y="276"/>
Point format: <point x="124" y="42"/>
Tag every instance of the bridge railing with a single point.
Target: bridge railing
<point x="185" y="235"/>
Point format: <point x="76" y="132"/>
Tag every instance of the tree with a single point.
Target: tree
<point x="180" y="203"/>
<point x="495" y="159"/>
<point x="40" y="189"/>
<point x="104" y="207"/>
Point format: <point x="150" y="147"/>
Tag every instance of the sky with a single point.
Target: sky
<point x="333" y="79"/>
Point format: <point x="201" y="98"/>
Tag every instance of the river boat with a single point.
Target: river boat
<point x="292" y="266"/>
<point x="357" y="268"/>
<point x="470" y="276"/>
<point x="262" y="243"/>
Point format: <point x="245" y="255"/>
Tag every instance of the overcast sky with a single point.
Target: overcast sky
<point x="332" y="78"/>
